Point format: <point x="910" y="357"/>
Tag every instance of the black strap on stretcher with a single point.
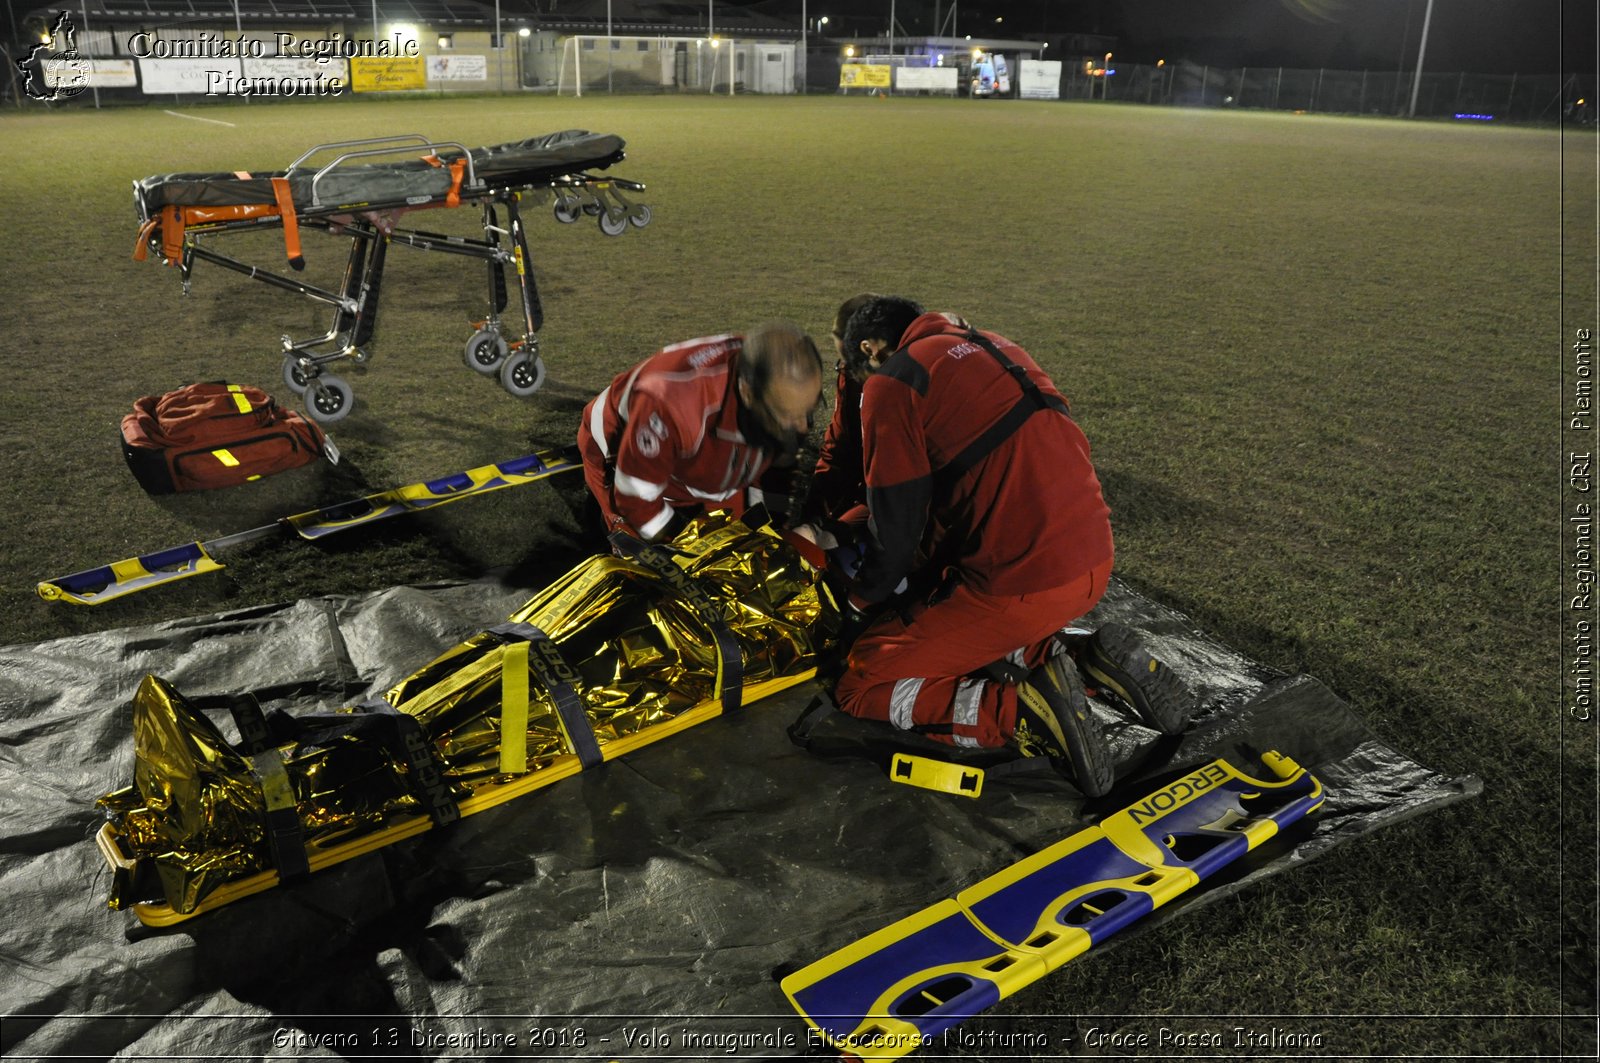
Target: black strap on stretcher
<point x="730" y="658"/>
<point x="261" y="733"/>
<point x="546" y="664"/>
<point x="258" y="744"/>
<point x="403" y="734"/>
<point x="1032" y="401"/>
<point x="285" y="833"/>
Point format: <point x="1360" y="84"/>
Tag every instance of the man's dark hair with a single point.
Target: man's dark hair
<point x="774" y="350"/>
<point x="885" y="318"/>
<point x="847" y="309"/>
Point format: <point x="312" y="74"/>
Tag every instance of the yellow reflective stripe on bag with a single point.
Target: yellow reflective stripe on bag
<point x="238" y="398"/>
<point x="225" y="456"/>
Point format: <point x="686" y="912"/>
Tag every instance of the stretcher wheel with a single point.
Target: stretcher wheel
<point x="613" y="222"/>
<point x="484" y="352"/>
<point x="295" y="378"/>
<point x="523" y="374"/>
<point x="639" y="215"/>
<point x="329" y="399"/>
<point x="568" y="209"/>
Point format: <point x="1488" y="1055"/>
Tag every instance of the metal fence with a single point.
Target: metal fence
<point x="1508" y="97"/>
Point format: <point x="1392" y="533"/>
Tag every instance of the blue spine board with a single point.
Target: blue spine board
<point x="1211" y="817"/>
<point x="928" y="977"/>
<point x="1084" y="884"/>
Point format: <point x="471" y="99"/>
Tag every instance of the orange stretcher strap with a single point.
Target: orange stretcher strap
<point x="291" y="222"/>
<point x="458" y="169"/>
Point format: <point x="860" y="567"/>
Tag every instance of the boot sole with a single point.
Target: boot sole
<point x="1088" y="757"/>
<point x="1117" y="660"/>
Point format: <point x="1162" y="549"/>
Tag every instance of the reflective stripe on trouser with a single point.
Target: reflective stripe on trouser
<point x="919" y="674"/>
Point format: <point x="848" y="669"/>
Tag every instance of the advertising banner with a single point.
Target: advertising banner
<point x="863" y="76"/>
<point x="198" y="76"/>
<point x="284" y="69"/>
<point x="1040" y="79"/>
<point x="103" y="73"/>
<point x="925" y="79"/>
<point x="388" y="75"/>
<point x="458" y="68"/>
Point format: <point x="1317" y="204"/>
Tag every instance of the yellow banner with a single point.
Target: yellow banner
<point x="864" y="76"/>
<point x="388" y="75"/>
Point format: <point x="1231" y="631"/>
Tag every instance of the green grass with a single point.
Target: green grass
<point x="1319" y="360"/>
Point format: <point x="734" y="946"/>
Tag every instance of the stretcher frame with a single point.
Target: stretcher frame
<point x="177" y="232"/>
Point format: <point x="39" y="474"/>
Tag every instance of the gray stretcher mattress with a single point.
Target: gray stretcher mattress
<point x="525" y="163"/>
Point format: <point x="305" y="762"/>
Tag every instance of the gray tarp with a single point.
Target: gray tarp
<point x="647" y="903"/>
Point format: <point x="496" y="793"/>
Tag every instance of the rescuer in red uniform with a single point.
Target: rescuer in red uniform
<point x="981" y="491"/>
<point x="696" y="425"/>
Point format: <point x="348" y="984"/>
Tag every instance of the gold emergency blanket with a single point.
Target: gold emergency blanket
<point x="637" y="643"/>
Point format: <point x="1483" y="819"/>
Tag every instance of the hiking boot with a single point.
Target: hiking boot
<point x="1116" y="660"/>
<point x="1053" y="711"/>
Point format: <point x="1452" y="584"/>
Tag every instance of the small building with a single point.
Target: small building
<point x="140" y="48"/>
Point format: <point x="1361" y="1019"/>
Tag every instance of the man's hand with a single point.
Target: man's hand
<point x="816" y="534"/>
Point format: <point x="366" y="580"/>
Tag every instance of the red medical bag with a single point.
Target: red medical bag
<point x="211" y="435"/>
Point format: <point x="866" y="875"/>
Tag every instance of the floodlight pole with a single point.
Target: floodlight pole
<point x="499" y="51"/>
<point x="610" y="59"/>
<point x="1422" y="50"/>
<point x="85" y="8"/>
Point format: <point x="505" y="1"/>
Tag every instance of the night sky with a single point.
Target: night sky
<point x="1476" y="36"/>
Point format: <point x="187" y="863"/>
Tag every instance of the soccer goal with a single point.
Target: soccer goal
<point x="636" y="63"/>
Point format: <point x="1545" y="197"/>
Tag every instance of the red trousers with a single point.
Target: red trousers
<point x="918" y="673"/>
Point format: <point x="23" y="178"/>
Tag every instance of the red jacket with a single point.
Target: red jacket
<point x="667" y="432"/>
<point x="1027" y="516"/>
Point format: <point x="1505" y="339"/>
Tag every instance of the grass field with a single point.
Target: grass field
<point x="1319" y="359"/>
